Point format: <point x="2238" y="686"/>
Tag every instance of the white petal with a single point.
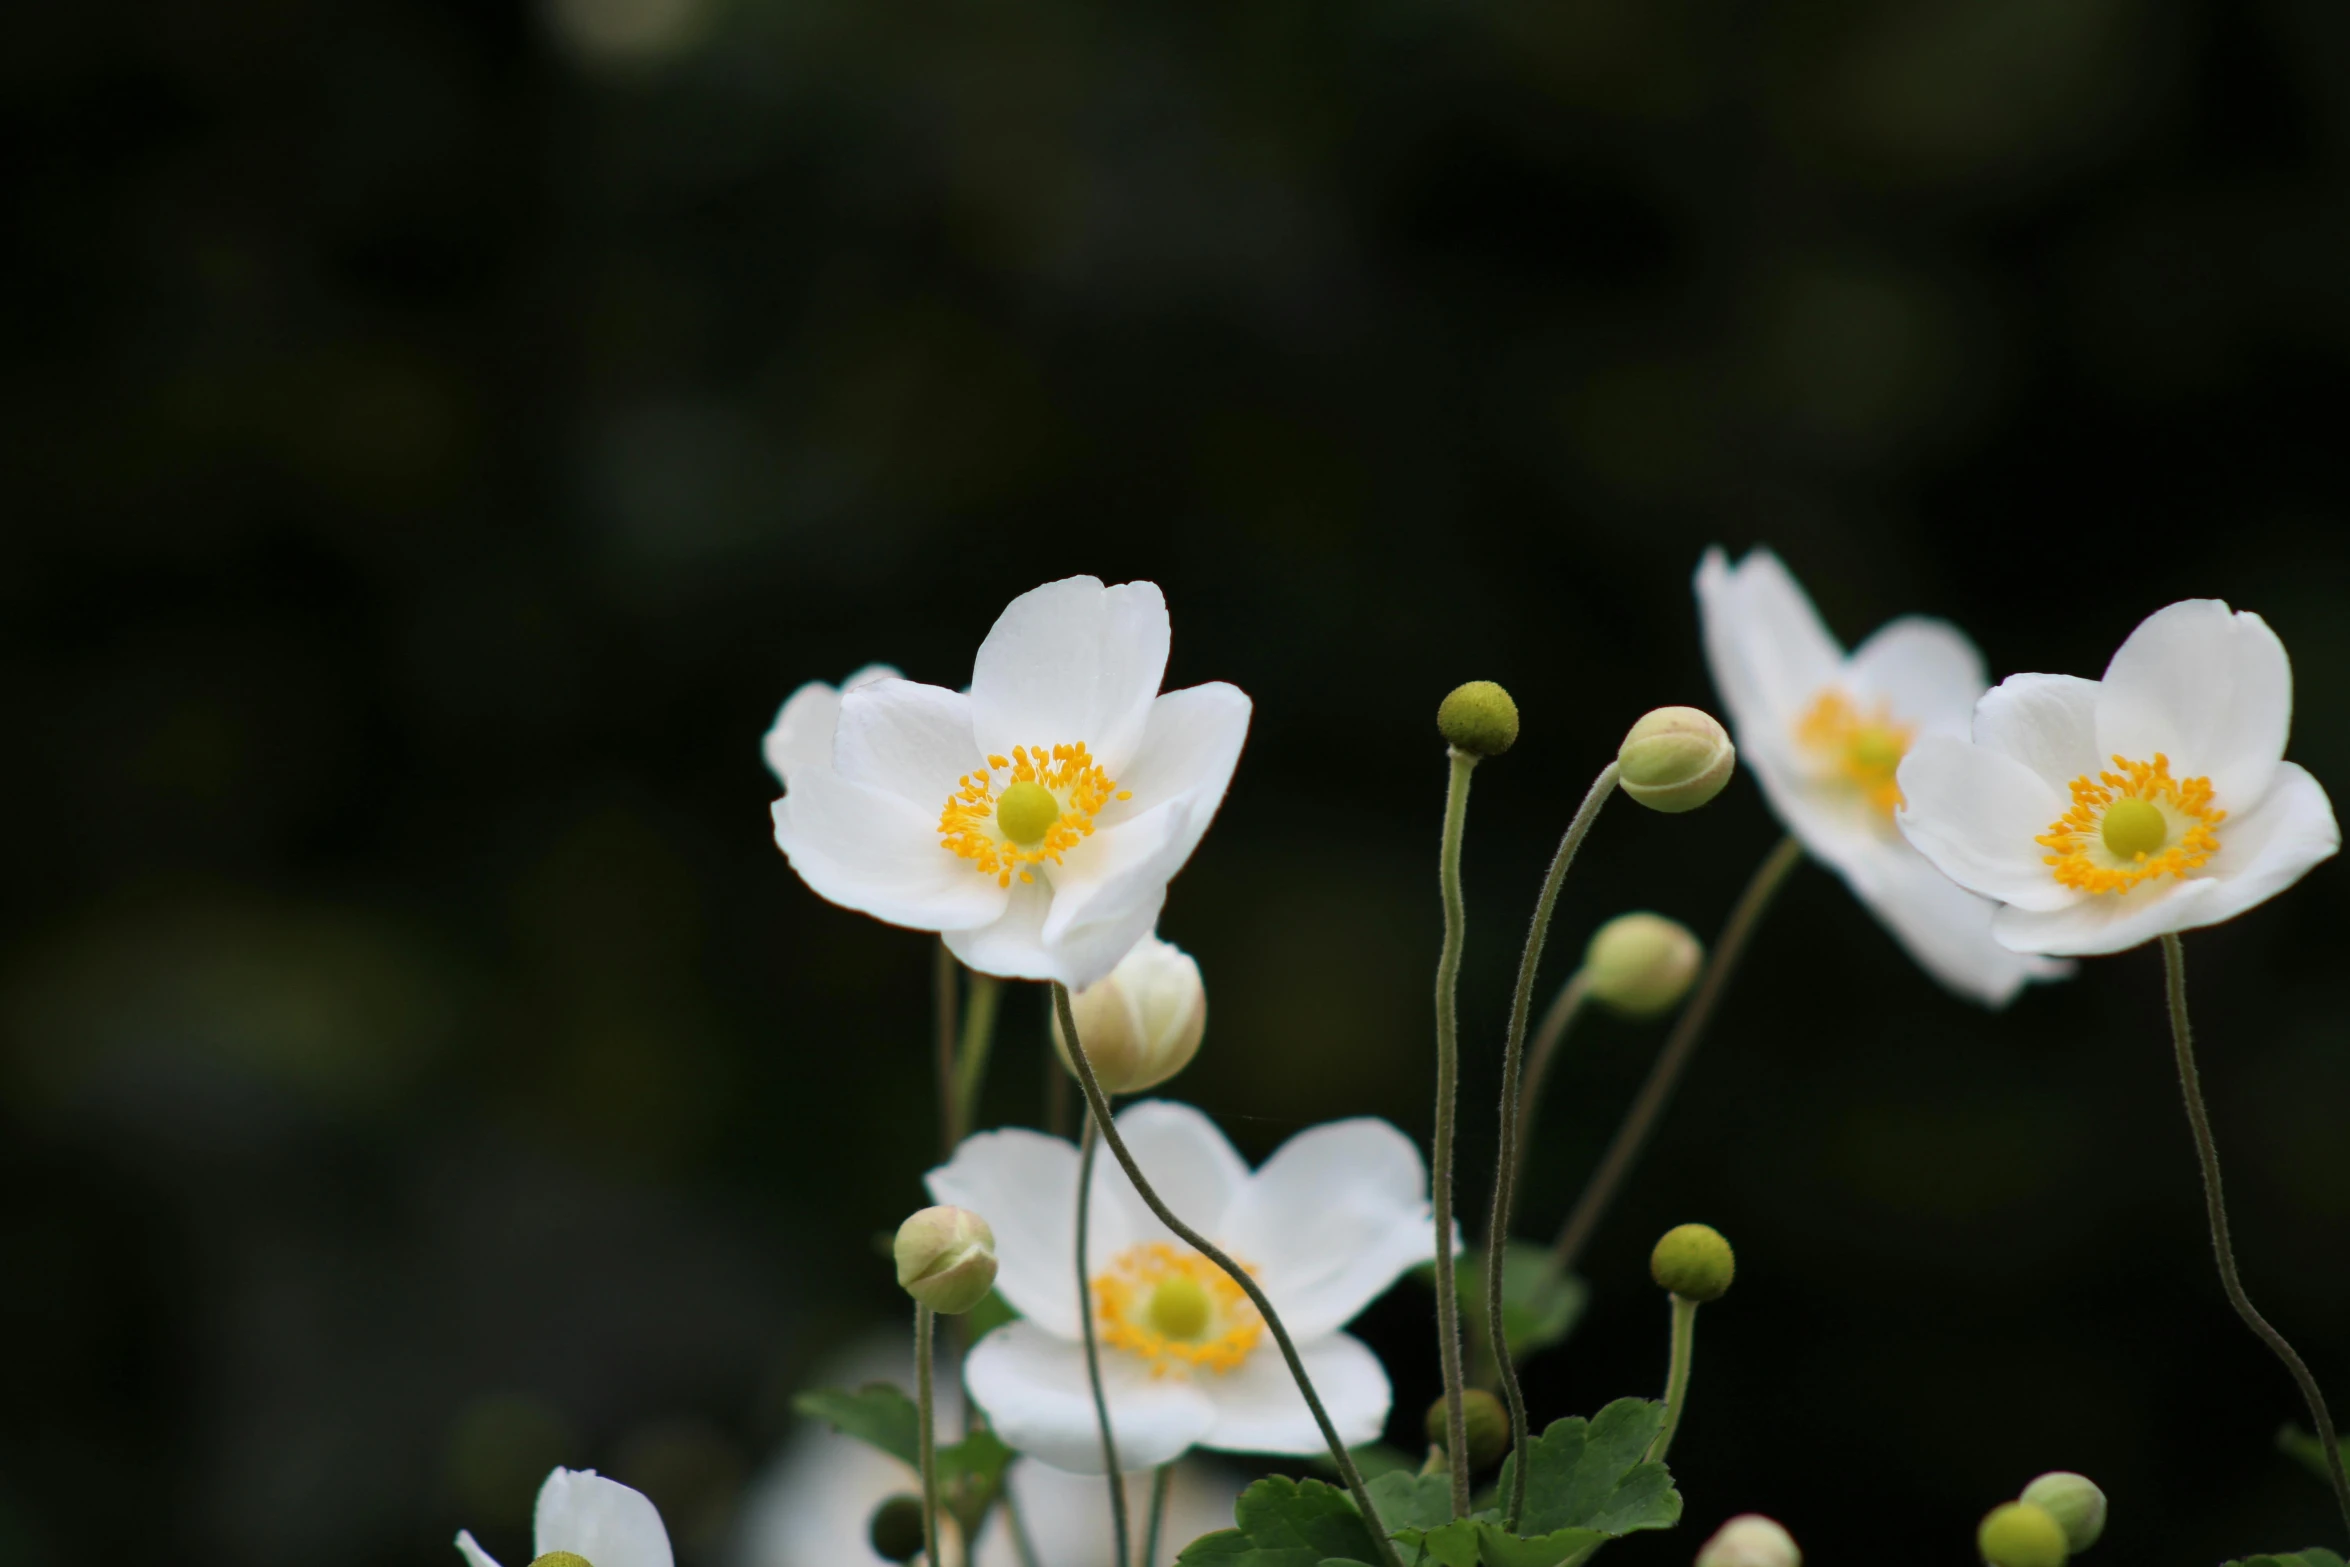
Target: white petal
<point x="1072" y="661"/>
<point x="1334" y="1217"/>
<point x="1014" y="945"/>
<point x="1946" y="928"/>
<point x="1925" y="670"/>
<point x="2211" y="690"/>
<point x="1768" y="649"/>
<point x="1070" y="1525"/>
<point x="1259" y="1409"/>
<point x="2272" y="846"/>
<point x="1024" y="1184"/>
<point x="474" y="1555"/>
<point x="906" y="739"/>
<point x="1189" y="1163"/>
<point x="1975" y="812"/>
<point x="1190" y="744"/>
<point x="2091" y="925"/>
<point x="1109" y="878"/>
<point x="801" y="735"/>
<point x="2046" y="722"/>
<point x="612" y="1526"/>
<point x="879" y="854"/>
<point x="1034" y="1389"/>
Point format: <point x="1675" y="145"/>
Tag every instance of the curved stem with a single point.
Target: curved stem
<point x="1158" y="1515"/>
<point x="1088" y="1146"/>
<point x="1099" y="1104"/>
<point x="925" y="1321"/>
<point x="942" y="984"/>
<point x="1676" y="1375"/>
<point x="978" y="1041"/>
<point x="1448" y="1082"/>
<point x="2174" y="962"/>
<point x="1687" y="1029"/>
<point x="1564" y="1008"/>
<point x="1505" y="1164"/>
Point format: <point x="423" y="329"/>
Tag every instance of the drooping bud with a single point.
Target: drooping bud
<point x="1694" y="1262"/>
<point x="1488" y="1423"/>
<point x="1750" y="1540"/>
<point x="1675" y="759"/>
<point x="896" y="1529"/>
<point x="2021" y="1534"/>
<point x="1641" y="964"/>
<point x="1142" y="1022"/>
<point x="946" y="1259"/>
<point x="1478" y="719"/>
<point x="2074" y="1502"/>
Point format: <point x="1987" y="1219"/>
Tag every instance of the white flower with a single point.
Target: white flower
<point x="801" y="736"/>
<point x="1824" y="732"/>
<point x="1331" y="1220"/>
<point x="2105" y="813"/>
<point x="1143" y="1023"/>
<point x="582" y="1512"/>
<point x="1035" y="819"/>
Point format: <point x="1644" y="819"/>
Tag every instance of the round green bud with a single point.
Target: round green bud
<point x="1487" y="1421"/>
<point x="946" y="1259"/>
<point x="1641" y="964"/>
<point x="896" y="1529"/>
<point x="2074" y="1502"/>
<point x="1675" y="759"/>
<point x="2020" y="1534"/>
<point x="2133" y="827"/>
<point x="1750" y="1540"/>
<point x="1478" y="719"/>
<point x="1026" y="813"/>
<point x="560" y="1559"/>
<point x="1694" y="1262"/>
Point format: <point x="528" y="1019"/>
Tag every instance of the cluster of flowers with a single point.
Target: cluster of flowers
<point x="1174" y="1298"/>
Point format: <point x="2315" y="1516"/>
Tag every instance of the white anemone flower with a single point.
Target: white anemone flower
<point x="2104" y="813"/>
<point x="1333" y="1218"/>
<point x="1033" y="820"/>
<point x="1824" y="732"/>
<point x="601" y="1520"/>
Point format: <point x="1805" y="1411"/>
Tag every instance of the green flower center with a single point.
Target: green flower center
<point x="561" y="1559"/>
<point x="1179" y="1308"/>
<point x="1026" y="813"/>
<point x="2133" y="827"/>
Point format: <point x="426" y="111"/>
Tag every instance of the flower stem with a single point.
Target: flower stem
<point x="942" y="985"/>
<point x="1448" y="1074"/>
<point x="2174" y="962"/>
<point x="1023" y="1545"/>
<point x="1676" y="1375"/>
<point x="1564" y="1008"/>
<point x="1505" y="1164"/>
<point x="1687" y="1029"/>
<point x="978" y="1040"/>
<point x="925" y="1321"/>
<point x="1088" y="1146"/>
<point x="1158" y="1517"/>
<point x="1099" y="1104"/>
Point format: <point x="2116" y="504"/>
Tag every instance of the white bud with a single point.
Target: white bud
<point x="1750" y="1540"/>
<point x="1142" y="1022"/>
<point x="1642" y="964"/>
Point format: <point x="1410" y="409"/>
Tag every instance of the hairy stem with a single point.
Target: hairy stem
<point x="942" y="984"/>
<point x="1564" y="1008"/>
<point x="1448" y="1076"/>
<point x="1089" y="1145"/>
<point x="1158" y="1514"/>
<point x="925" y="1321"/>
<point x="978" y="1042"/>
<point x="1676" y="1375"/>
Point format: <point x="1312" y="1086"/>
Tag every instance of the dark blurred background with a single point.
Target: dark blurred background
<point x="436" y="437"/>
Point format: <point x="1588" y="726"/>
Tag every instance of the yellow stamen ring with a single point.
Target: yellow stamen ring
<point x="1865" y="749"/>
<point x="1045" y="808"/>
<point x="1175" y="1309"/>
<point x="2131" y="826"/>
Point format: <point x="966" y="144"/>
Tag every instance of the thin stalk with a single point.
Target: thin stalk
<point x="1676" y="1375"/>
<point x="1564" y="1008"/>
<point x="1056" y="1086"/>
<point x="2174" y="962"/>
<point x="978" y="1041"/>
<point x="925" y="1321"/>
<point x="1099" y="1104"/>
<point x="1505" y="1164"/>
<point x="1448" y="1076"/>
<point x="942" y="986"/>
<point x="1023" y="1545"/>
<point x="1160" y="1485"/>
<point x="1720" y="964"/>
<point x="1088" y="1146"/>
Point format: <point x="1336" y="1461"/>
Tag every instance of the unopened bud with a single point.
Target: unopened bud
<point x="1641" y="964"/>
<point x="1140" y="1023"/>
<point x="1750" y="1540"/>
<point x="2074" y="1502"/>
<point x="1694" y="1262"/>
<point x="1478" y="718"/>
<point x="1487" y="1422"/>
<point x="946" y="1259"/>
<point x="2021" y="1534"/>
<point x="1675" y="759"/>
<point x="896" y="1529"/>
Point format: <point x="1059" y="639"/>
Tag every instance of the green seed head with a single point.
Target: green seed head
<point x="2133" y="827"/>
<point x="1026" y="813"/>
<point x="560" y="1559"/>
<point x="896" y="1529"/>
<point x="2074" y="1502"/>
<point x="946" y="1259"/>
<point x="1487" y="1422"/>
<point x="1641" y="964"/>
<point x="2020" y="1534"/>
<point x="1694" y="1262"/>
<point x="1675" y="759"/>
<point x="1478" y="719"/>
<point x="1179" y="1308"/>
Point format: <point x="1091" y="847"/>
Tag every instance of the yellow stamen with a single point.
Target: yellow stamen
<point x="2132" y="826"/>
<point x="1175" y="1309"/>
<point x="1042" y="810"/>
<point x="1865" y="749"/>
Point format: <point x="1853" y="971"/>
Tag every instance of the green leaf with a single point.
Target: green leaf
<point x="1592" y="1474"/>
<point x="1539" y="1304"/>
<point x="991" y="1313"/>
<point x="1548" y="1550"/>
<point x="876" y="1413"/>
<point x="1286" y="1523"/>
<point x="1411" y="1501"/>
<point x="2313" y="1557"/>
<point x="2299" y="1445"/>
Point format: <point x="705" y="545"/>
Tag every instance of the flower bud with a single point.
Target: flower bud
<point x="1478" y="719"/>
<point x="946" y="1259"/>
<point x="2074" y="1502"/>
<point x="2020" y="1534"/>
<point x="1641" y="964"/>
<point x="1694" y="1262"/>
<point x="896" y="1529"/>
<point x="1488" y="1425"/>
<point x="1750" y="1540"/>
<point x="1675" y="759"/>
<point x="1140" y="1023"/>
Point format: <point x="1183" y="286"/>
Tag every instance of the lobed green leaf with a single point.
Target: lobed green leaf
<point x="1286" y="1523"/>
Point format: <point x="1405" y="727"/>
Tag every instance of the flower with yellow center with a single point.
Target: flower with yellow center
<point x="1824" y="733"/>
<point x="1033" y="820"/>
<point x="592" y="1519"/>
<point x="2104" y="813"/>
<point x="1331" y="1220"/>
